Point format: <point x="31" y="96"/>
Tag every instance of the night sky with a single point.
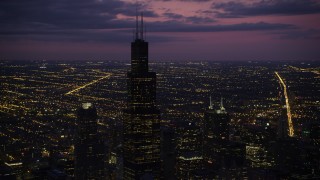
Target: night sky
<point x="176" y="29"/>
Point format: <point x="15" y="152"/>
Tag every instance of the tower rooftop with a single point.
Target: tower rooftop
<point x="86" y="105"/>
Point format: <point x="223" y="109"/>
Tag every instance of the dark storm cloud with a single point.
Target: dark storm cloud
<point x="79" y="36"/>
<point x="61" y="14"/>
<point x="67" y="36"/>
<point x="63" y="21"/>
<point x="59" y="17"/>
<point x="95" y="21"/>
<point x="235" y="9"/>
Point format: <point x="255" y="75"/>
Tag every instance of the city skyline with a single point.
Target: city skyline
<point x="185" y="30"/>
<point x="214" y="89"/>
<point x="40" y="124"/>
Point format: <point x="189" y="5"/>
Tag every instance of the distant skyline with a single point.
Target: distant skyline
<point x="214" y="30"/>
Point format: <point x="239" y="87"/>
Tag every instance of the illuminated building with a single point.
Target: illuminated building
<point x="88" y="148"/>
<point x="6" y="172"/>
<point x="141" y="131"/>
<point x="189" y="152"/>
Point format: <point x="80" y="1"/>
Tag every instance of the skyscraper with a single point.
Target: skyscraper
<point x="189" y="151"/>
<point x="217" y="123"/>
<point x="216" y="134"/>
<point x="88" y="149"/>
<point x="141" y="117"/>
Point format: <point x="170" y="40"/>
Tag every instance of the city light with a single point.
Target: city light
<point x="291" y="130"/>
<point x="88" y="84"/>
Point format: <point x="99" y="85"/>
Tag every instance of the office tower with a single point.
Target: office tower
<point x="217" y="123"/>
<point x="189" y="149"/>
<point x="223" y="157"/>
<point x="168" y="147"/>
<point x="6" y="172"/>
<point x="141" y="131"/>
<point x="89" y="156"/>
<point x="282" y="131"/>
<point x="216" y="135"/>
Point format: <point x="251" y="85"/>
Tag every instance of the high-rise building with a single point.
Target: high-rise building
<point x="189" y="150"/>
<point x="215" y="135"/>
<point x="168" y="147"/>
<point x="283" y="129"/>
<point x="222" y="157"/>
<point x="217" y="123"/>
<point x="89" y="155"/>
<point x="141" y="131"/>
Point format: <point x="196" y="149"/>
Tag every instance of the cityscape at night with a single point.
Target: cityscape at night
<point x="215" y="90"/>
<point x="40" y="100"/>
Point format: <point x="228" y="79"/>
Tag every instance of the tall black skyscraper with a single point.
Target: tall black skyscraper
<point x="216" y="134"/>
<point x="142" y="118"/>
<point x="217" y="123"/>
<point x="89" y="154"/>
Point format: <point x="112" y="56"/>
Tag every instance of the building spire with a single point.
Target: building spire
<point x="210" y="107"/>
<point x="221" y="105"/>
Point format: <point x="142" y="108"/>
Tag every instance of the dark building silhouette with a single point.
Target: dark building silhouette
<point x="216" y="134"/>
<point x="222" y="158"/>
<point x="89" y="155"/>
<point x="6" y="172"/>
<point x="283" y="129"/>
<point x="168" y="153"/>
<point x="141" y="131"/>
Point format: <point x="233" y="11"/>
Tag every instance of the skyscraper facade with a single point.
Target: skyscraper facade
<point x="89" y="155"/>
<point x="141" y="130"/>
<point x="216" y="135"/>
<point x="189" y="151"/>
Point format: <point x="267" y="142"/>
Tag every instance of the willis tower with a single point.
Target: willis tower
<point x="141" y="118"/>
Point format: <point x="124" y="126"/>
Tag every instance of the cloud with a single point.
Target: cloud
<point x="126" y="35"/>
<point x="173" y="15"/>
<point x="61" y="14"/>
<point x="234" y="9"/>
<point x="174" y="26"/>
<point x="96" y="21"/>
<point x="199" y="20"/>
<point x="189" y="19"/>
<point x="310" y="34"/>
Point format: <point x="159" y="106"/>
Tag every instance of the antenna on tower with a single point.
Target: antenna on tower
<point x="141" y="26"/>
<point x="221" y="105"/>
<point x="210" y="107"/>
<point x="137" y="26"/>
